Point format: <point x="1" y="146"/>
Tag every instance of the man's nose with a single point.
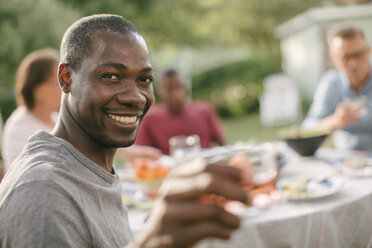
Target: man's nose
<point x="130" y="94"/>
<point x="352" y="63"/>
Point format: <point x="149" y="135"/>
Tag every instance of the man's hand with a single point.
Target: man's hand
<point x="180" y="219"/>
<point x="134" y="152"/>
<point x="345" y="114"/>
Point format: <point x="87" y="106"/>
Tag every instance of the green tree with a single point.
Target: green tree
<point x="165" y="24"/>
<point x="26" y="26"/>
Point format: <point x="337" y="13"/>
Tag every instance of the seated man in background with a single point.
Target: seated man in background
<point x="178" y="116"/>
<point x="62" y="191"/>
<point x="333" y="107"/>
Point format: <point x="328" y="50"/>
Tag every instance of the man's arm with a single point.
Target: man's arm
<point x="215" y="126"/>
<point x="180" y="219"/>
<point x="345" y="115"/>
<point x="328" y="110"/>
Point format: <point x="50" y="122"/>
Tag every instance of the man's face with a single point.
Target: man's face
<point x="351" y="57"/>
<point x="173" y="93"/>
<point x="112" y="90"/>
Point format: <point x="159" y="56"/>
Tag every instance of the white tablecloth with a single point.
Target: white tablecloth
<point x="341" y="220"/>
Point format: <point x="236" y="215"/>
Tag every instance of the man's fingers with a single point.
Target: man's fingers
<point x="191" y="212"/>
<point x="199" y="166"/>
<point x="221" y="168"/>
<point x="194" y="233"/>
<point x="175" y="189"/>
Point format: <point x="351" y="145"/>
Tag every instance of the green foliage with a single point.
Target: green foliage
<point x="26" y="26"/>
<point x="201" y="23"/>
<point x="248" y="128"/>
<point x="234" y="88"/>
<point x="29" y="25"/>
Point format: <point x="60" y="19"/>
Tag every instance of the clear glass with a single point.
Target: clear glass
<point x="184" y="148"/>
<point x="261" y="163"/>
<point x="358" y="99"/>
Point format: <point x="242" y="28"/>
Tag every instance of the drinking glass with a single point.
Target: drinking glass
<point x="184" y="148"/>
<point x="358" y="99"/>
<point x="261" y="163"/>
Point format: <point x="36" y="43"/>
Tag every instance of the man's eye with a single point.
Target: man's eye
<point x="147" y="79"/>
<point x="111" y="76"/>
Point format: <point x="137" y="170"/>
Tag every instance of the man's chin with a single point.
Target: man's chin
<point x="110" y="143"/>
<point x="124" y="144"/>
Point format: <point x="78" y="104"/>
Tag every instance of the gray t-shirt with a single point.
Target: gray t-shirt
<point x="54" y="196"/>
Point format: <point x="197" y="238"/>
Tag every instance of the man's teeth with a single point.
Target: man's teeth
<point x="124" y="119"/>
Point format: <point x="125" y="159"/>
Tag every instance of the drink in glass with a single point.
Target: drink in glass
<point x="184" y="148"/>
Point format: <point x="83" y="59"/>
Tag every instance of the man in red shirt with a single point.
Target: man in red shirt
<point x="178" y="116"/>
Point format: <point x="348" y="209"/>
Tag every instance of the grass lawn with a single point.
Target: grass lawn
<point x="248" y="129"/>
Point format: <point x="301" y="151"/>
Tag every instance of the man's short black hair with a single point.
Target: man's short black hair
<point x="165" y="74"/>
<point x="169" y="72"/>
<point x="76" y="42"/>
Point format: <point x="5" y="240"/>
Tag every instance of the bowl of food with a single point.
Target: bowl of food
<point x="304" y="142"/>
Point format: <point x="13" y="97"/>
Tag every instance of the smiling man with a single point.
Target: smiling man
<point x="62" y="190"/>
<point x="336" y="106"/>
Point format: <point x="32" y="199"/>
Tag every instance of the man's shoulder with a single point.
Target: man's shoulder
<point x="201" y="106"/>
<point x="331" y="76"/>
<point x="39" y="161"/>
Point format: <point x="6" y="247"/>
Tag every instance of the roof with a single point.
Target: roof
<point x="322" y="14"/>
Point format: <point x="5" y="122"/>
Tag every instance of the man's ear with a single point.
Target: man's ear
<point x="64" y="77"/>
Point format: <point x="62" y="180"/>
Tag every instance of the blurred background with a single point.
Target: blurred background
<point x="225" y="49"/>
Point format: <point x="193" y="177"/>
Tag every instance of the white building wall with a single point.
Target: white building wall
<point x="305" y="54"/>
<point x="303" y="58"/>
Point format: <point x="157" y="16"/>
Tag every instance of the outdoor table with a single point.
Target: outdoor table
<point x="343" y="219"/>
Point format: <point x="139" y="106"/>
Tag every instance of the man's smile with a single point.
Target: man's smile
<point x="127" y="120"/>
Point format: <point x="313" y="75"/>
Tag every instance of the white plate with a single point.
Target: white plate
<point x="357" y="166"/>
<point x="315" y="188"/>
<point x="356" y="172"/>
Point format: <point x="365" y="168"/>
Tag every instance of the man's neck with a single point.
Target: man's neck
<point x="67" y="129"/>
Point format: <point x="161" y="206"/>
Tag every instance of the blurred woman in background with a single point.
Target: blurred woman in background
<point x="38" y="98"/>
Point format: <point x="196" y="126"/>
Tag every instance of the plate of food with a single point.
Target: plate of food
<point x="355" y="166"/>
<point x="309" y="188"/>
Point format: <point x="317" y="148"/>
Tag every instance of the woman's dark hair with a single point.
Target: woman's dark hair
<point x="34" y="69"/>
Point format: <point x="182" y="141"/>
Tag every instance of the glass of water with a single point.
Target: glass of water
<point x="358" y="99"/>
<point x="184" y="148"/>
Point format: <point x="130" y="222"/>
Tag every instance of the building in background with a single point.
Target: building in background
<point x="342" y="2"/>
<point x="303" y="44"/>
